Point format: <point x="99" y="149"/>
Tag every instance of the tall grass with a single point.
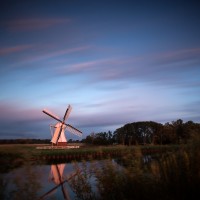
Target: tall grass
<point x="170" y="176"/>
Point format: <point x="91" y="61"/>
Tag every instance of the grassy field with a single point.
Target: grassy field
<point x="12" y="156"/>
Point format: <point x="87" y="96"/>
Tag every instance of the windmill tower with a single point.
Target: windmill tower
<point x="58" y="136"/>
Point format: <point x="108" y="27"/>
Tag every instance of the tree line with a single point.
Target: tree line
<point x="24" y="141"/>
<point x="147" y="132"/>
<point x="31" y="141"/>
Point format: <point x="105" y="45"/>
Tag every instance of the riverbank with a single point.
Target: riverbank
<point x="12" y="156"/>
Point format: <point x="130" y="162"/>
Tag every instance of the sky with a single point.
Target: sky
<point x="114" y="62"/>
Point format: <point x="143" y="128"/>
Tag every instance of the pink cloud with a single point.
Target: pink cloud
<point x="101" y="69"/>
<point x="86" y="65"/>
<point x="14" y="49"/>
<point x="180" y="54"/>
<point x="55" y="53"/>
<point x="155" y="67"/>
<point x="34" y="23"/>
<point x="13" y="111"/>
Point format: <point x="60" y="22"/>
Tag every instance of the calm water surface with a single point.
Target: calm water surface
<point x="45" y="181"/>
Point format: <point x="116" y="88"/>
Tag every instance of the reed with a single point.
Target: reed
<point x="171" y="175"/>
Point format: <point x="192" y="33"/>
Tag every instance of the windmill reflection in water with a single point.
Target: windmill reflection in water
<point x="59" y="179"/>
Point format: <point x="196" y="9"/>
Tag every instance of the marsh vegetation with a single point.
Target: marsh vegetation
<point x="170" y="175"/>
<point x="169" y="172"/>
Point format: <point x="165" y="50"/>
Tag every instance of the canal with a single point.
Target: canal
<point x="52" y="181"/>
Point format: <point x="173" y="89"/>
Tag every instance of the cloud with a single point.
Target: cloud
<point x="36" y="53"/>
<point x="59" y="53"/>
<point x="31" y="24"/>
<point x="167" y="68"/>
<point x="12" y="111"/>
<point x="177" y="56"/>
<point x="83" y="66"/>
<point x="114" y="113"/>
<point x="96" y="67"/>
<point x="14" y="49"/>
<point x="17" y="121"/>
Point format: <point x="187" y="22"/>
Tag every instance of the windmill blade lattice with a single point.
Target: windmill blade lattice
<point x="67" y="113"/>
<point x="73" y="130"/>
<point x="51" y="115"/>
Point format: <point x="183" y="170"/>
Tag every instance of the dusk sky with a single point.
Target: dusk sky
<point x="114" y="62"/>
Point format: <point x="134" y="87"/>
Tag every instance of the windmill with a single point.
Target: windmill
<point x="58" y="137"/>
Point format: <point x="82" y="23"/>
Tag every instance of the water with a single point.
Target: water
<point x="46" y="181"/>
<point x="143" y="177"/>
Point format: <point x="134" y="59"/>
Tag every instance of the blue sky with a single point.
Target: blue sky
<point x="114" y="62"/>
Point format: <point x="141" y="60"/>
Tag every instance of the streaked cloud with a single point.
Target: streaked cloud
<point x="60" y="52"/>
<point x="36" y="53"/>
<point x="14" y="49"/>
<point x="31" y="24"/>
<point x="15" y="111"/>
<point x="163" y="67"/>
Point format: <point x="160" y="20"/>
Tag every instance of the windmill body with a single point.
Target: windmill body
<point x="62" y="140"/>
<point x="58" y="137"/>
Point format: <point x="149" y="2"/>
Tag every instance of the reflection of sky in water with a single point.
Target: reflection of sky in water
<point x="39" y="179"/>
<point x="35" y="181"/>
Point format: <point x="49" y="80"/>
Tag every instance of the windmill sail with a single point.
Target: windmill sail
<point x="51" y="115"/>
<point x="73" y="130"/>
<point x="67" y="113"/>
<point x="55" y="136"/>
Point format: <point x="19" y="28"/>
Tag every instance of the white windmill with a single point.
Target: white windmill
<point x="58" y="137"/>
